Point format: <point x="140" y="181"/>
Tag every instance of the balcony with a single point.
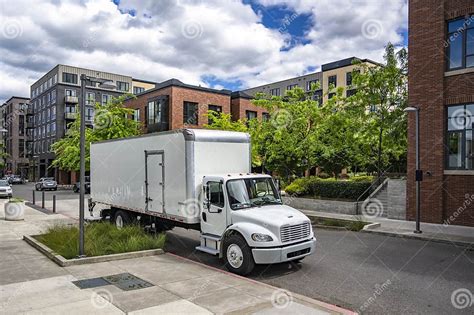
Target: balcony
<point x="71" y="99"/>
<point x="70" y="115"/>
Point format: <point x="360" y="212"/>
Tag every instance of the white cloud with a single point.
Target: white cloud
<point x="185" y="39"/>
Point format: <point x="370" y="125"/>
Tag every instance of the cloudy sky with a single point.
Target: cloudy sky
<point x="230" y="44"/>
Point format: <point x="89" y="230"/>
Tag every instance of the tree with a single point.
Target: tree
<point x="382" y="93"/>
<point x="110" y="122"/>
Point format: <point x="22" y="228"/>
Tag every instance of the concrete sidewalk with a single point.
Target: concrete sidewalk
<point x="31" y="283"/>
<point x="451" y="234"/>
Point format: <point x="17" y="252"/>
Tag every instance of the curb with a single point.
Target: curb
<point x="467" y="245"/>
<point x="63" y="262"/>
<point x="331" y="307"/>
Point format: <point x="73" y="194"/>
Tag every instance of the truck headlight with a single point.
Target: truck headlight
<point x="257" y="237"/>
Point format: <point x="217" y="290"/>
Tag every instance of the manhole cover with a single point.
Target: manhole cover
<point x="127" y="281"/>
<point x="90" y="283"/>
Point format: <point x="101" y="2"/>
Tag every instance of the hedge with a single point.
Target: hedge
<point x="328" y="188"/>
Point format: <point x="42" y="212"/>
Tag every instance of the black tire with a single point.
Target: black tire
<point x="55" y="189"/>
<point x="123" y="217"/>
<point x="247" y="263"/>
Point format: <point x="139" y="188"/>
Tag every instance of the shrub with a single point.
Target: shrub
<point x="362" y="178"/>
<point x="100" y="239"/>
<point x="324" y="175"/>
<point x="298" y="187"/>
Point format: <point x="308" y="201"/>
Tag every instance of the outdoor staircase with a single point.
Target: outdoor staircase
<point x="377" y="203"/>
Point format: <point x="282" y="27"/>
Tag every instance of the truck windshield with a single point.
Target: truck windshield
<point x="251" y="192"/>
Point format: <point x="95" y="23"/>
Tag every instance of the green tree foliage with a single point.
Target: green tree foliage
<point x="110" y="122"/>
<point x="382" y="93"/>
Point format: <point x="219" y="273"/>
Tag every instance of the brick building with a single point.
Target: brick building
<point x="173" y="104"/>
<point x="441" y="85"/>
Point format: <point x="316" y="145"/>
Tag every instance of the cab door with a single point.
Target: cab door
<point x="213" y="214"/>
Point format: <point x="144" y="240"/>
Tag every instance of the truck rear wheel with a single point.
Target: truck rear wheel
<point x="238" y="255"/>
<point x="121" y="218"/>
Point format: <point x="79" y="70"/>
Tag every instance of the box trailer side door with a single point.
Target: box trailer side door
<point x="154" y="180"/>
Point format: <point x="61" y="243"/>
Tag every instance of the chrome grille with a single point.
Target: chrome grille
<point x="295" y="232"/>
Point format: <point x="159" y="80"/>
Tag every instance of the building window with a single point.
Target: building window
<point x="53" y="112"/>
<point x="69" y="78"/>
<point x="53" y="128"/>
<point x="71" y="93"/>
<point x="275" y="92"/>
<point x="309" y="84"/>
<point x="351" y="92"/>
<point x="250" y="114"/>
<point x="21" y="147"/>
<point x="190" y="113"/>
<point x="21" y="125"/>
<point x="291" y="86"/>
<point x="214" y="108"/>
<point x="136" y="114"/>
<point x="55" y="78"/>
<point x="459" y="139"/>
<point x="318" y="97"/>
<point x="123" y="86"/>
<point x="90" y="98"/>
<point x="331" y="95"/>
<point x="265" y="116"/>
<point x="89" y="113"/>
<point x="332" y="80"/>
<point x="138" y="90"/>
<point x="53" y="96"/>
<point x="349" y="78"/>
<point x="460" y="43"/>
<point x="106" y="98"/>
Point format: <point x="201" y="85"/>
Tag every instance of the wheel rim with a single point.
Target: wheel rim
<point x="119" y="222"/>
<point x="235" y="257"/>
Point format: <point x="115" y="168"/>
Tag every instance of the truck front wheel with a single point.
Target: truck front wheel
<point x="238" y="255"/>
<point x="121" y="218"/>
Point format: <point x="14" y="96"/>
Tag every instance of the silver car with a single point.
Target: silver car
<point x="46" y="183"/>
<point x="5" y="189"/>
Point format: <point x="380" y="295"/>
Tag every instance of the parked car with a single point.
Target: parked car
<point x="8" y="178"/>
<point x="87" y="186"/>
<point x="5" y="189"/>
<point x="17" y="179"/>
<point x="46" y="183"/>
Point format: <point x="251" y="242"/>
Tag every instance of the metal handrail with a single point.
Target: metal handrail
<point x="376" y="182"/>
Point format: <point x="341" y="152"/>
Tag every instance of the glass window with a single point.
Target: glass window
<point x="265" y="116"/>
<point x="53" y="96"/>
<point x="460" y="43"/>
<point x="71" y="93"/>
<point x="190" y="113"/>
<point x="332" y="80"/>
<point x="215" y="108"/>
<point x="275" y="92"/>
<point x="291" y="86"/>
<point x="215" y="194"/>
<point x="245" y="193"/>
<point x="123" y="86"/>
<point x="349" y="78"/>
<point x="152" y="117"/>
<point x="351" y="92"/>
<point x="136" y="114"/>
<point x="90" y="98"/>
<point x="331" y="95"/>
<point x="53" y="112"/>
<point x="89" y="113"/>
<point x="138" y="90"/>
<point x="309" y="84"/>
<point x="106" y="98"/>
<point x="69" y="78"/>
<point x="250" y="114"/>
<point x="459" y="139"/>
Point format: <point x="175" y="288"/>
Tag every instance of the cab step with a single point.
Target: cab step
<point x="208" y="250"/>
<point x="210" y="244"/>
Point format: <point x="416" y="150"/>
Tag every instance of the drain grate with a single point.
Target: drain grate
<point x="127" y="282"/>
<point x="124" y="281"/>
<point x="90" y="283"/>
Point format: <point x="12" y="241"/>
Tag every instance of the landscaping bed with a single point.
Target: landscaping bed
<point x="101" y="238"/>
<point x="350" y="225"/>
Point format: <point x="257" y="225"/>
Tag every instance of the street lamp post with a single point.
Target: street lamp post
<point x="105" y="84"/>
<point x="418" y="171"/>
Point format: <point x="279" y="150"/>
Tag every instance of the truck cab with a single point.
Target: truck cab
<point x="244" y="221"/>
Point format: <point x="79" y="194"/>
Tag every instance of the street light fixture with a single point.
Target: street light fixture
<point x="104" y="84"/>
<point x="418" y="171"/>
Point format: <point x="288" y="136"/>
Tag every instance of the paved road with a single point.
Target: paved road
<point x="389" y="275"/>
<point x="24" y="191"/>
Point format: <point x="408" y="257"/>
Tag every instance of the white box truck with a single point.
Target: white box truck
<point x="200" y="179"/>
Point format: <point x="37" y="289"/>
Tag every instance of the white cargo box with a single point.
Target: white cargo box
<point x="161" y="173"/>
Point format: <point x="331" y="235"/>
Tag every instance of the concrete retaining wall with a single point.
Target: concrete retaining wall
<point x="332" y="206"/>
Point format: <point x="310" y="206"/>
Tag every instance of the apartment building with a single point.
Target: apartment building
<point x="441" y="85"/>
<point x="55" y="98"/>
<point x="337" y="74"/>
<point x="17" y="136"/>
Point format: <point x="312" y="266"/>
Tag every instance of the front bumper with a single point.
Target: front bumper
<point x="284" y="253"/>
<point x="5" y="194"/>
